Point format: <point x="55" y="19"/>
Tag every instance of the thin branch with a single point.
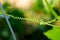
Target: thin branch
<point x="9" y="25"/>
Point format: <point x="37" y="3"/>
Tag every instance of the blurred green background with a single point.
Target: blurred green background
<point x="29" y="30"/>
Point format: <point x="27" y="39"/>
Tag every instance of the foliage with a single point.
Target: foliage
<point x="21" y="27"/>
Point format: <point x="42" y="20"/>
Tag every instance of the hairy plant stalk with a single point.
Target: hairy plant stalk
<point x="39" y="21"/>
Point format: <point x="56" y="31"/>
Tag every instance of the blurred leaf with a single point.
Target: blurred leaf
<point x="53" y="34"/>
<point x="38" y="5"/>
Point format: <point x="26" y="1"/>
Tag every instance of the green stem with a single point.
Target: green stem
<point x="50" y="8"/>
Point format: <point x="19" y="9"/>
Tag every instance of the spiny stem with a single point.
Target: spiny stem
<point x="41" y="22"/>
<point x="51" y="21"/>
